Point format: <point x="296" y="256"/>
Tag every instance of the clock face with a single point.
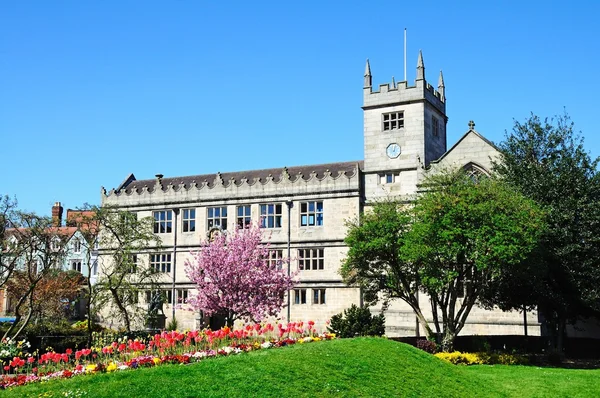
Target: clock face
<point x="393" y="151"/>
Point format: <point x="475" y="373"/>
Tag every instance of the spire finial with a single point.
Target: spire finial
<point x="368" y="79"/>
<point x="420" y="67"/>
<point x="471" y="125"/>
<point x="442" y="87"/>
<point x="393" y="82"/>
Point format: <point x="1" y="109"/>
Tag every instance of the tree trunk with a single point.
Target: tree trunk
<point x="26" y="321"/>
<point x="122" y="310"/>
<point x="560" y="336"/>
<point x="88" y="310"/>
<point x="18" y="312"/>
<point x="448" y="340"/>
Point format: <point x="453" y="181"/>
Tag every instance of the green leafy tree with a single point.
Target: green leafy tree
<point x="125" y="243"/>
<point x="466" y="230"/>
<point x="451" y="244"/>
<point x="375" y="262"/>
<point x="546" y="161"/>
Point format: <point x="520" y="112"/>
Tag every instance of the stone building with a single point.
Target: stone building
<point x="305" y="208"/>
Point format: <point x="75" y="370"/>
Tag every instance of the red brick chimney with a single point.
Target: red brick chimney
<point x="57" y="213"/>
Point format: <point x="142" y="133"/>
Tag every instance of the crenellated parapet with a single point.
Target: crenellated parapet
<point x="330" y="178"/>
<point x="397" y="93"/>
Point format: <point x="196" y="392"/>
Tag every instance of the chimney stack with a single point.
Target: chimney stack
<point x="57" y="213"/>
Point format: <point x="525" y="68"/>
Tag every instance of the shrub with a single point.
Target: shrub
<point x="482" y="358"/>
<point x="173" y="324"/>
<point x="427" y="346"/>
<point x="357" y="321"/>
<point x="59" y="335"/>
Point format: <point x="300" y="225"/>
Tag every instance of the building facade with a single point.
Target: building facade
<point x="304" y="209"/>
<point x="68" y="240"/>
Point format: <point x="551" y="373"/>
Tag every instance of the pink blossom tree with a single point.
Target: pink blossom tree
<point x="234" y="277"/>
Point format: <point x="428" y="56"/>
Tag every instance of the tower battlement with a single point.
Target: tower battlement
<point x="397" y="93"/>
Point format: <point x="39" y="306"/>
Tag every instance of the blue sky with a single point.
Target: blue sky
<point x="92" y="91"/>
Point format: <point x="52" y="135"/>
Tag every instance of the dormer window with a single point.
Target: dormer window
<point x="393" y="121"/>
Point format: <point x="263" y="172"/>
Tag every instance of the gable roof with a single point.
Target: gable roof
<point x="469" y="132"/>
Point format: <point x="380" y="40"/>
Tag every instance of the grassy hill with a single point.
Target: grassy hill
<point x="362" y="367"/>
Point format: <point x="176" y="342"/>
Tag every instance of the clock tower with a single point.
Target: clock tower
<point x="404" y="131"/>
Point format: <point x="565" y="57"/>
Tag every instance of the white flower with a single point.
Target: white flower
<point x="266" y="344"/>
<point x="227" y="350"/>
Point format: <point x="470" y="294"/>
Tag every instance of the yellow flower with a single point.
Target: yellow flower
<point x="316" y="339"/>
<point x="156" y="360"/>
<point x="111" y="367"/>
<point x="300" y="341"/>
<point x="90" y="368"/>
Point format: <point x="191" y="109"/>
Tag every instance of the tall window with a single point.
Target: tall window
<point x="275" y="257"/>
<point x="132" y="264"/>
<point x="393" y="121"/>
<point x="76" y="265"/>
<point x="243" y="216"/>
<point x="217" y="217"/>
<point x="167" y="296"/>
<point x="163" y="222"/>
<point x="189" y="220"/>
<point x="160" y="262"/>
<point x="270" y="215"/>
<point x="299" y="296"/>
<point x="182" y="295"/>
<point x="77" y="246"/>
<point x="318" y="296"/>
<point x="311" y="259"/>
<point x="129" y="297"/>
<point x="311" y="214"/>
<point x="435" y="126"/>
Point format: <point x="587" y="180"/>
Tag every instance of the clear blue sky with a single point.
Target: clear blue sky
<point x="92" y="91"/>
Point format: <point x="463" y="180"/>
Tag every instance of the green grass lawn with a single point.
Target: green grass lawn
<point x="362" y="367"/>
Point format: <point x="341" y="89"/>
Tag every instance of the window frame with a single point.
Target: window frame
<point x="243" y="220"/>
<point x="319" y="296"/>
<point x="311" y="259"/>
<point x="306" y="213"/>
<point x="392" y="121"/>
<point x="165" y="222"/>
<point x="77" y="245"/>
<point x="271" y="219"/>
<point x="275" y="259"/>
<point x="76" y="265"/>
<point x="435" y="126"/>
<point x="188" y="220"/>
<point x="300" y="297"/>
<point x="161" y="265"/>
<point x="182" y="295"/>
<point x="216" y="221"/>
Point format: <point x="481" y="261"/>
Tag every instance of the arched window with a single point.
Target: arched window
<point x="475" y="172"/>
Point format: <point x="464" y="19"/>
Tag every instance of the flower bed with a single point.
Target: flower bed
<point x="482" y="358"/>
<point x="163" y="348"/>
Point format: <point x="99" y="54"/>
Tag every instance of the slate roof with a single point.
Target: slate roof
<point x="252" y="176"/>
